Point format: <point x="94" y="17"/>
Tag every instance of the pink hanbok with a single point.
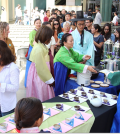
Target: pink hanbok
<point x="39" y="75"/>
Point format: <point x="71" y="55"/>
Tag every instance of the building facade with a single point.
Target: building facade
<point x="9" y="13"/>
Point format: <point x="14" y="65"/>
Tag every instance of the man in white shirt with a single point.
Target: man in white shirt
<point x="98" y="17"/>
<point x="16" y="10"/>
<point x="115" y="19"/>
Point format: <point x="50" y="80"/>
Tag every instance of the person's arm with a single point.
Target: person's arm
<point x="76" y="56"/>
<point x="52" y="45"/>
<point x="98" y="45"/>
<point x="114" y="78"/>
<point x="101" y="41"/>
<point x="31" y="38"/>
<point x="42" y="68"/>
<point x="58" y="43"/>
<point x="52" y="50"/>
<point x="14" y="82"/>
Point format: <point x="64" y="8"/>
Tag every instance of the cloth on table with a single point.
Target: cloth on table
<point x="116" y="121"/>
<point x="71" y="84"/>
<point x="84" y="128"/>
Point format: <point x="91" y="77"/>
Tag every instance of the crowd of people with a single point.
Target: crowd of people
<point x="64" y="43"/>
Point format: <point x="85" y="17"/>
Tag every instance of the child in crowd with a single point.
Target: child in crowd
<point x="29" y="115"/>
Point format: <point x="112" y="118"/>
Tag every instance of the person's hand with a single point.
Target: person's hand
<point x="34" y="42"/>
<point x="87" y="57"/>
<point x="91" y="69"/>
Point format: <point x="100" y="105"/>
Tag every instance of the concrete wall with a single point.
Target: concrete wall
<point x="22" y="3"/>
<point x="41" y="4"/>
<point x="10" y="10"/>
<point x="78" y="2"/>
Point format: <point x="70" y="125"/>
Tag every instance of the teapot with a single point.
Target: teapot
<point x="96" y="101"/>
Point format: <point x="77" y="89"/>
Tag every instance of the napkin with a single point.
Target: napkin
<point x="86" y="116"/>
<point x="64" y="128"/>
<point x="106" y="103"/>
<point x="12" y="120"/>
<point x="9" y="119"/>
<point x="76" y="101"/>
<point x="81" y="117"/>
<point x="10" y="127"/>
<point x="71" y="123"/>
<point x="61" y="107"/>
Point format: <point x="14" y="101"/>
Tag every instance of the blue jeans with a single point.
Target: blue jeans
<point x="16" y="20"/>
<point x="6" y="113"/>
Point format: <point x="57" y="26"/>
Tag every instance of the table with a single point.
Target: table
<point x="103" y="116"/>
<point x="71" y="84"/>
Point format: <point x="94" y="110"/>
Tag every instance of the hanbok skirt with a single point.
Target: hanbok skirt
<point x="36" y="87"/>
<point x="28" y="63"/>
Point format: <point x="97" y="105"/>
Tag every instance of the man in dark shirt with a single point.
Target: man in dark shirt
<point x="67" y="18"/>
<point x="88" y="24"/>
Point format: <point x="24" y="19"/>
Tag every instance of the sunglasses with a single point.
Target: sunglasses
<point x="56" y="24"/>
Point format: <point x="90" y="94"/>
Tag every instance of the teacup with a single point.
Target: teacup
<point x="105" y="100"/>
<point x="114" y="96"/>
<point x="91" y="91"/>
<point x="56" y="126"/>
<point x="77" y="108"/>
<point x="3" y="125"/>
<point x="67" y="120"/>
<point x="58" y="106"/>
<point x="72" y="90"/>
<point x="94" y="97"/>
<point x="65" y="95"/>
<point x="77" y="115"/>
<point x="45" y="110"/>
<point x="76" y="98"/>
<point x="80" y="88"/>
<point x="83" y="93"/>
<point x="12" y="116"/>
<point x="102" y="93"/>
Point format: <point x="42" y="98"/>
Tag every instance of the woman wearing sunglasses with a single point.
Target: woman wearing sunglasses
<point x="56" y="29"/>
<point x="106" y="32"/>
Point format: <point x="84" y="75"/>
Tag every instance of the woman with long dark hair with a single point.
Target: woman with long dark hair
<point x="117" y="35"/>
<point x="56" y="29"/>
<point x="106" y="32"/>
<point x="9" y="80"/>
<point x="98" y="42"/>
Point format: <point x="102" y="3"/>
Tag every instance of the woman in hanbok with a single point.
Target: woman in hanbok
<point x="67" y="59"/>
<point x="40" y="79"/>
<point x="32" y="34"/>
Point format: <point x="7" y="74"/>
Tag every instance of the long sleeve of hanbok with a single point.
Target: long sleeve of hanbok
<point x="70" y="63"/>
<point x="42" y="68"/>
<point x="90" y="51"/>
<point x="114" y="78"/>
<point x="32" y="37"/>
<point x="76" y="56"/>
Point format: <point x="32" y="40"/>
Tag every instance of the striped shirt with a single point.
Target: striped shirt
<point x="9" y="79"/>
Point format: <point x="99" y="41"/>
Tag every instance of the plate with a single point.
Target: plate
<point x="95" y="85"/>
<point x="98" y="82"/>
<point x="92" y="81"/>
<point x="104" y="85"/>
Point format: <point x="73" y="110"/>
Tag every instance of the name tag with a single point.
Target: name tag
<point x="10" y="45"/>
